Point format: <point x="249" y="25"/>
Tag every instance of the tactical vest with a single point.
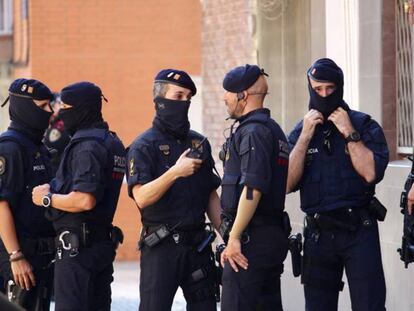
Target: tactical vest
<point x="114" y="167"/>
<point x="330" y="181"/>
<point x="29" y="218"/>
<point x="271" y="204"/>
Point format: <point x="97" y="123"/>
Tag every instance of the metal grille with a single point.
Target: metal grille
<point x="404" y="79"/>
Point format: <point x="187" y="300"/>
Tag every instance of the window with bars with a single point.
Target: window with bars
<point x="405" y="76"/>
<point x="6" y="17"/>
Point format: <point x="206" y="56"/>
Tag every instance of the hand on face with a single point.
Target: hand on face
<point x="342" y="122"/>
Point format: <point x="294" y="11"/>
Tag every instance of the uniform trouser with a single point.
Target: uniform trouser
<point x="258" y="287"/>
<point x="326" y="256"/>
<point x="167" y="266"/>
<point x="38" y="297"/>
<point x="84" y="282"/>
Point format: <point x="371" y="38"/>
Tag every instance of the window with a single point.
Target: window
<point x="404" y="78"/>
<point x="6" y="17"/>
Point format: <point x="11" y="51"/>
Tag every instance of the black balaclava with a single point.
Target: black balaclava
<point x="25" y="115"/>
<point x="326" y="70"/>
<point x="172" y="115"/>
<point x="86" y="101"/>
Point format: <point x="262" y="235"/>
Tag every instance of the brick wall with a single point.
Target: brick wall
<point x="227" y="42"/>
<point x="119" y="45"/>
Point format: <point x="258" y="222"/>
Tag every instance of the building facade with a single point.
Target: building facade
<point x="372" y="42"/>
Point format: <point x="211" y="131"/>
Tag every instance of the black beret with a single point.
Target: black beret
<point x="177" y="77"/>
<point x="326" y="70"/>
<point x="81" y="93"/>
<point x="30" y="88"/>
<point x="241" y="78"/>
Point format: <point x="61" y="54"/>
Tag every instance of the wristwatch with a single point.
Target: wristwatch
<point x="47" y="200"/>
<point x="354" y="137"/>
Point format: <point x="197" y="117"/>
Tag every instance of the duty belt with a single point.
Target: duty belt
<point x="345" y="218"/>
<point x="39" y="246"/>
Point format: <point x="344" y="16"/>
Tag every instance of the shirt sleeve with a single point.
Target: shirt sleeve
<point x="140" y="166"/>
<point x="294" y="135"/>
<point x="373" y="137"/>
<point x="88" y="168"/>
<point x="12" y="176"/>
<point x="255" y="151"/>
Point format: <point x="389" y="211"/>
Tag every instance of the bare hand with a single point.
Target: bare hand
<point x="186" y="166"/>
<point x="232" y="253"/>
<point x="23" y="274"/>
<point x="410" y="201"/>
<point x="39" y="192"/>
<point x="342" y="122"/>
<point x="310" y="120"/>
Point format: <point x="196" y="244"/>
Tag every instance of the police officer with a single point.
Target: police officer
<point x="172" y="181"/>
<point x="82" y="200"/>
<point x="256" y="158"/>
<point x="338" y="157"/>
<point x="27" y="237"/>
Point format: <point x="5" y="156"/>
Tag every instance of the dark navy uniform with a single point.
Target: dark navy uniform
<point x="93" y="162"/>
<point x="175" y="261"/>
<point x="257" y="156"/>
<point x="24" y="164"/>
<point x="331" y="189"/>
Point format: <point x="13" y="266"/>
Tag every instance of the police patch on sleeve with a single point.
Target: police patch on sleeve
<point x="2" y="165"/>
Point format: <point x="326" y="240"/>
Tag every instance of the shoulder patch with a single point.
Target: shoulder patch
<point x="131" y="167"/>
<point x="195" y="143"/>
<point x="2" y="165"/>
<point x="165" y="149"/>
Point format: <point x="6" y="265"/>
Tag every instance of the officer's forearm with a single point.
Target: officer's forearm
<point x="151" y="192"/>
<point x="362" y="160"/>
<point x="297" y="162"/>
<point x="7" y="228"/>
<point x="74" y="202"/>
<point x="213" y="209"/>
<point x="245" y="212"/>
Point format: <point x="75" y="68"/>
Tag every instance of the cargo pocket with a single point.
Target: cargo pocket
<point x="309" y="194"/>
<point x="229" y="191"/>
<point x="352" y="182"/>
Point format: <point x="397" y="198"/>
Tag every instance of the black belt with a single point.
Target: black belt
<point x="39" y="246"/>
<point x="348" y="218"/>
<point x="186" y="235"/>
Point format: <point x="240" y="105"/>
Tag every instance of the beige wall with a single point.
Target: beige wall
<point x="289" y="39"/>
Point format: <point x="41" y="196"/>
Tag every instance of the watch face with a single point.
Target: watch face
<point x="46" y="201"/>
<point x="355" y="136"/>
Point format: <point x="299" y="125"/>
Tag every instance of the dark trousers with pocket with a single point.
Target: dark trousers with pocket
<point x="84" y="282"/>
<point x="258" y="287"/>
<point x="328" y="252"/>
<point x="169" y="265"/>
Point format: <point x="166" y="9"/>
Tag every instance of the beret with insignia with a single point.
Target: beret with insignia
<point x="326" y="70"/>
<point x="177" y="77"/>
<point x="30" y="88"/>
